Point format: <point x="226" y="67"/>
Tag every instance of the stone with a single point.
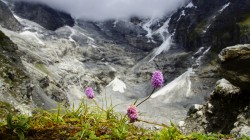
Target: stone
<point x="224" y="87"/>
<point x="199" y="113"/>
<point x="235" y="65"/>
<point x="181" y="123"/>
<point x="194" y="108"/>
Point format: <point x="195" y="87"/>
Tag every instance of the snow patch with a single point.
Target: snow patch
<point x="147" y="28"/>
<point x="5" y="2"/>
<point x="198" y="60"/>
<point x="117" y="85"/>
<point x="199" y="51"/>
<point x="114" y="24"/>
<point x="72" y="33"/>
<point x="204" y="31"/>
<point x="176" y="90"/>
<point x="163" y="30"/>
<point x="224" y="7"/>
<point x="190" y="5"/>
<point x="165" y="46"/>
<point x="182" y="14"/>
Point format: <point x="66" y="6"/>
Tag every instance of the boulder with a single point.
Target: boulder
<point x="222" y="111"/>
<point x="235" y="65"/>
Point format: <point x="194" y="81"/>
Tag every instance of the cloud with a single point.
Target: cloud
<point x="113" y="9"/>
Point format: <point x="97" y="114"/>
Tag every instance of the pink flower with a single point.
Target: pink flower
<point x="89" y="92"/>
<point x="157" y="79"/>
<point x="132" y="113"/>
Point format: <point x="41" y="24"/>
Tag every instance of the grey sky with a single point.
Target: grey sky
<point x="114" y="9"/>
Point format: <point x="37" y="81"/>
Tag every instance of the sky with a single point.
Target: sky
<point x="113" y="9"/>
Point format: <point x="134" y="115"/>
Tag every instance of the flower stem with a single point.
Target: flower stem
<point x="146" y="98"/>
<point x="163" y="125"/>
<point x="98" y="105"/>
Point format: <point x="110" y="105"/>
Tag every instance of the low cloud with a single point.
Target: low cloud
<point x="113" y="9"/>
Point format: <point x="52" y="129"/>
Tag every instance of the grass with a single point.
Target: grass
<point x="89" y="122"/>
<point x="5" y="109"/>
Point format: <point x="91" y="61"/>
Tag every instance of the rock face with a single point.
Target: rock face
<point x="7" y="20"/>
<point x="43" y="15"/>
<point x="242" y="126"/>
<point x="211" y="23"/>
<point x="127" y="33"/>
<point x="235" y="65"/>
<point x="12" y="73"/>
<point x="222" y="112"/>
<point x="17" y="86"/>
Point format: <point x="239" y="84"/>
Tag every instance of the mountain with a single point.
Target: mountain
<point x="43" y="15"/>
<point x="7" y="19"/>
<point x="215" y="23"/>
<point x="47" y="56"/>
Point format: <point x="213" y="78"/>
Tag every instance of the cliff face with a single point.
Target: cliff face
<point x="13" y="77"/>
<point x="235" y="65"/>
<point x="7" y="20"/>
<point x="43" y="15"/>
<point x="211" y="23"/>
<point x="227" y="110"/>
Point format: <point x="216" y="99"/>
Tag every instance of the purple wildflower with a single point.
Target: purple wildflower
<point x="89" y="92"/>
<point x="132" y="113"/>
<point x="157" y="79"/>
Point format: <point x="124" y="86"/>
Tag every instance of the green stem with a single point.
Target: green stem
<point x="58" y="112"/>
<point x="163" y="125"/>
<point x="146" y="98"/>
<point x="97" y="105"/>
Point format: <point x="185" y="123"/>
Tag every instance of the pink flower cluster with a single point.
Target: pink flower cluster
<point x="157" y="79"/>
<point x="89" y="92"/>
<point x="132" y="113"/>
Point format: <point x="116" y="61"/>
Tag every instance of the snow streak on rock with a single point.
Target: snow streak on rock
<point x="224" y="7"/>
<point x="147" y="28"/>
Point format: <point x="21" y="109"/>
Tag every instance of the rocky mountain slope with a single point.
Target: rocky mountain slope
<point x="228" y="106"/>
<point x="54" y="57"/>
<point x="7" y="19"/>
<point x="215" y="23"/>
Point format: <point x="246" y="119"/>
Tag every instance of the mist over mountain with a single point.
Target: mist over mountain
<point x="113" y="9"/>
